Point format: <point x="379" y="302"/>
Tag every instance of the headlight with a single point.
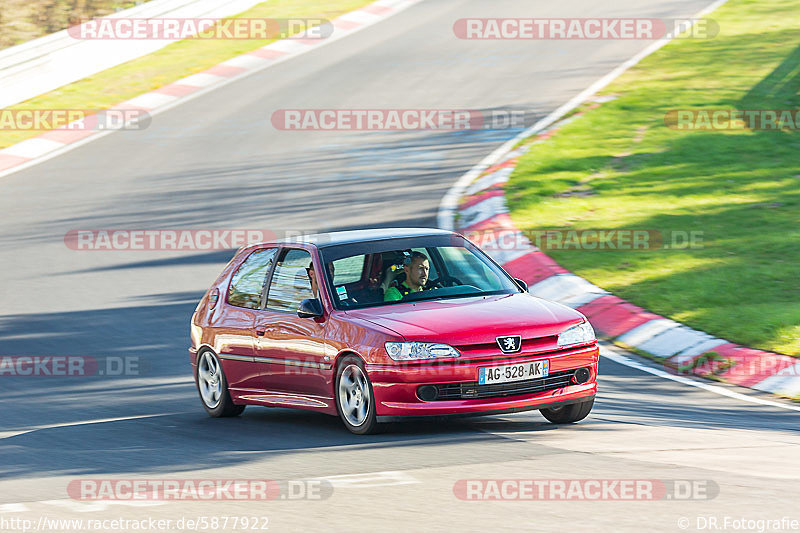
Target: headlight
<point x="410" y="351"/>
<point x="580" y="334"/>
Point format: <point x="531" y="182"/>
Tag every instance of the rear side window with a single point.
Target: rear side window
<point x="290" y="283"/>
<point x="348" y="270"/>
<point x="247" y="283"/>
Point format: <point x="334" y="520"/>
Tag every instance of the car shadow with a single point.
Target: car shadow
<point x="191" y="441"/>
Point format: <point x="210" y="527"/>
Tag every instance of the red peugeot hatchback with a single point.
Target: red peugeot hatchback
<point x="374" y="325"/>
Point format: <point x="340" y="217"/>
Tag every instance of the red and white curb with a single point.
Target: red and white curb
<point x="482" y="211"/>
<point x="476" y="203"/>
<point x="55" y="142"/>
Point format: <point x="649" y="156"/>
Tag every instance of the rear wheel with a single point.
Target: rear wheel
<point x="354" y="397"/>
<point x="568" y="414"/>
<point x="213" y="387"/>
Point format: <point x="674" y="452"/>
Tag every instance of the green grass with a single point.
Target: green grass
<point x="170" y="64"/>
<point x="740" y="188"/>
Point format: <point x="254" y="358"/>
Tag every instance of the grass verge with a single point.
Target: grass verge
<point x="619" y="166"/>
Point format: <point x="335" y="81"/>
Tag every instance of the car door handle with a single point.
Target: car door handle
<point x="261" y="332"/>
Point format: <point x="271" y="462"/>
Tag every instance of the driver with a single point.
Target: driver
<point x="416" y="267"/>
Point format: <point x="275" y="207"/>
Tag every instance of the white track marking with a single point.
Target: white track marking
<point x="9" y="434"/>
<point x="371" y="479"/>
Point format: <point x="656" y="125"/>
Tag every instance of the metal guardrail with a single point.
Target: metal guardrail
<point x="47" y="63"/>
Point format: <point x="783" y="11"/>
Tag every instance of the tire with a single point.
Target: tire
<point x="213" y="387"/>
<point x="568" y="414"/>
<point x="355" y="399"/>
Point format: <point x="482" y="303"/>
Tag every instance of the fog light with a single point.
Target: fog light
<point x="582" y="375"/>
<point x="428" y="393"/>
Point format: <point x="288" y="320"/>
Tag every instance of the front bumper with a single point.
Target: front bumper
<point x="395" y="386"/>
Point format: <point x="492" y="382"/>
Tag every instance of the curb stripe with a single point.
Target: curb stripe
<point x="267" y="53"/>
<point x="786" y="382"/>
<point x="493" y="179"/>
<point x="641" y="334"/>
<point x="245" y="61"/>
<point x="224" y="70"/>
<point x="377" y="9"/>
<point x="484" y="210"/>
<point x="32" y="148"/>
<point x="201" y="79"/>
<point x="176" y="89"/>
<point x="65" y="136"/>
<point x="567" y="289"/>
<point x="359" y="16"/>
<point x="674" y="341"/>
<point x="149" y="100"/>
<point x="345" y="24"/>
<point x="472" y="200"/>
<point x="8" y="161"/>
<point x="287" y="46"/>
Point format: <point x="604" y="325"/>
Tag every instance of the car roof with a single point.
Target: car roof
<point x="322" y="240"/>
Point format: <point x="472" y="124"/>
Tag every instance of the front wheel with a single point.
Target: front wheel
<point x="354" y="397"/>
<point x="213" y="387"/>
<point x="568" y="414"/>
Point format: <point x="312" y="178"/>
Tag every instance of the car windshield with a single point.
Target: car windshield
<point x="390" y="272"/>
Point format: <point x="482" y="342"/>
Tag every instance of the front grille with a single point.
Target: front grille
<point x="530" y="346"/>
<point x="471" y="391"/>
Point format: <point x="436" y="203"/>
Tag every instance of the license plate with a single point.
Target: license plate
<point x="518" y="372"/>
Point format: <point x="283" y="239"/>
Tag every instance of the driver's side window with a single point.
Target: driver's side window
<point x="469" y="269"/>
<point x="290" y="284"/>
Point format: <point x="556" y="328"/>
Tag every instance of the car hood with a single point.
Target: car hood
<point x="475" y="320"/>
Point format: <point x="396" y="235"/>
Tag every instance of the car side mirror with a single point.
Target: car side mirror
<point x="522" y="284"/>
<point x="310" y="308"/>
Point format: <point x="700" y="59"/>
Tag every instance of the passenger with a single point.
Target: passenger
<point x="312" y="277"/>
<point x="417" y="268"/>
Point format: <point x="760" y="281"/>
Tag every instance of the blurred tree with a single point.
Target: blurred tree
<point x="23" y="20"/>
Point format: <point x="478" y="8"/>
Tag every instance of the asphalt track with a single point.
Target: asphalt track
<point x="217" y="162"/>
